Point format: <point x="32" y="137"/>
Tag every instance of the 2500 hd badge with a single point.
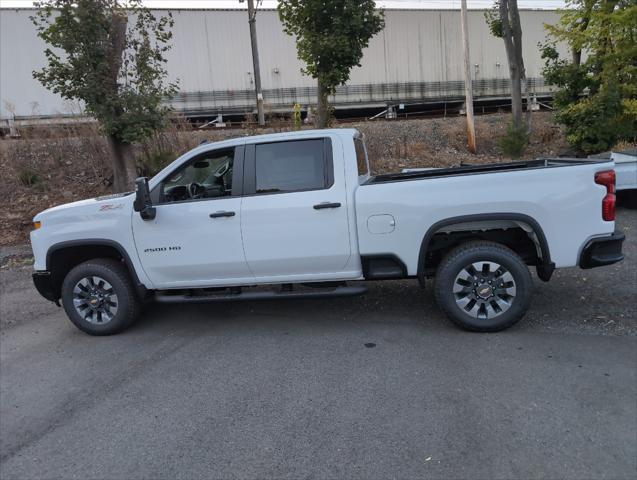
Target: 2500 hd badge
<point x="161" y="249"/>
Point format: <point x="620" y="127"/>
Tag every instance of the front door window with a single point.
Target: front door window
<point x="208" y="176"/>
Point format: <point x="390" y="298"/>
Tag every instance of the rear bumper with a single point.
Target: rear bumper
<point x="599" y="252"/>
<point x="44" y="285"/>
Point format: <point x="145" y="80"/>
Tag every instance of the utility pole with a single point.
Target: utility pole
<point x="468" y="89"/>
<point x="252" y="21"/>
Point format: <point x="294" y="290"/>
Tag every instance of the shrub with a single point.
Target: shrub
<point x="28" y="176"/>
<point x="597" y="123"/>
<point x="597" y="97"/>
<point x="514" y="142"/>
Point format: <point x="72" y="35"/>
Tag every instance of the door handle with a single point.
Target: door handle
<point x="221" y="214"/>
<point x="321" y="206"/>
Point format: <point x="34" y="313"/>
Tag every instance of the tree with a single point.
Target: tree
<point x="110" y="55"/>
<point x="330" y="38"/>
<point x="504" y="22"/>
<point x="597" y="100"/>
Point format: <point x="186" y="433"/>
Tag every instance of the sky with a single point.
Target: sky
<point x="550" y="4"/>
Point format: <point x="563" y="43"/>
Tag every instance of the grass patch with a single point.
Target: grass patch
<point x="29" y="176"/>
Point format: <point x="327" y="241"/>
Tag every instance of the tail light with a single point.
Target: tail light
<point x="607" y="178"/>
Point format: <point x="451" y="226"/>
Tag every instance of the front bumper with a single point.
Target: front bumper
<point x="599" y="252"/>
<point x="44" y="285"/>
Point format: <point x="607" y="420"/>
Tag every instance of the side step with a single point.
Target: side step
<point x="260" y="295"/>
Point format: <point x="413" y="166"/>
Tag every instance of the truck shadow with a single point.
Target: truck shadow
<point x="390" y="302"/>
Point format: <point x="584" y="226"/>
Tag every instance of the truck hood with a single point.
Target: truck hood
<point x="89" y="206"/>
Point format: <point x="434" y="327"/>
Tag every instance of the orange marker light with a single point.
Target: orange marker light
<point x="37" y="225"/>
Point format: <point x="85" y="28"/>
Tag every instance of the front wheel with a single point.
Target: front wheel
<point x="99" y="297"/>
<point x="483" y="286"/>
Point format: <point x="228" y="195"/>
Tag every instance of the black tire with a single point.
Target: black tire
<point x="116" y="274"/>
<point x="467" y="254"/>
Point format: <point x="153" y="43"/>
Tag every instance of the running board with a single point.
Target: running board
<point x="263" y="295"/>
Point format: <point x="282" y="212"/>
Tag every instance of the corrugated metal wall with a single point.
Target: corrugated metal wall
<point x="418" y="57"/>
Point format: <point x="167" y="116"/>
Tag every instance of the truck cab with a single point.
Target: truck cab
<point x="272" y="211"/>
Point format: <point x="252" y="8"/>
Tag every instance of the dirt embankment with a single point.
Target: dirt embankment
<point x="37" y="173"/>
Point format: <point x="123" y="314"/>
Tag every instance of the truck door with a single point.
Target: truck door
<point x="294" y="213"/>
<point x="195" y="238"/>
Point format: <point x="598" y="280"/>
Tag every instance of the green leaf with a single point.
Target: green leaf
<point x="331" y="35"/>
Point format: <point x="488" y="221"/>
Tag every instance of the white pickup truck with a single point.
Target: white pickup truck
<point x="300" y="213"/>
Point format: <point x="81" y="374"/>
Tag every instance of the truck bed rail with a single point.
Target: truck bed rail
<point x="478" y="169"/>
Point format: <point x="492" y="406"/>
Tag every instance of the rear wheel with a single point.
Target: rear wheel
<point x="99" y="297"/>
<point x="483" y="286"/>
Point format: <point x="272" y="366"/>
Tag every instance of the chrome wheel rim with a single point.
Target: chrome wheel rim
<point x="95" y="300"/>
<point x="484" y="290"/>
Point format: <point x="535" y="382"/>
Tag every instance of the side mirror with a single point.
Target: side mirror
<point x="142" y="203"/>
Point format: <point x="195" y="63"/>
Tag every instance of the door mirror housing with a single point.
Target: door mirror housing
<point x="142" y="203"/>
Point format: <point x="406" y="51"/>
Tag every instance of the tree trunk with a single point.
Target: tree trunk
<point x="322" y="107"/>
<point x="519" y="59"/>
<point x="516" y="97"/>
<point x="124" y="170"/>
<point x="512" y="36"/>
<point x="585" y="20"/>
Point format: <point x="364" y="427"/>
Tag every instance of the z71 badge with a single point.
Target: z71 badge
<point x="111" y="206"/>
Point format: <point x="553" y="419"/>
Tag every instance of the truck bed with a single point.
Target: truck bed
<point x="476" y="169"/>
<point x="565" y="202"/>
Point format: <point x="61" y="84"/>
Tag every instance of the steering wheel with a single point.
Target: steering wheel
<point x="195" y="190"/>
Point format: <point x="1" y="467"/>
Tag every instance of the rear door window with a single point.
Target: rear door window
<point x="291" y="166"/>
<point x="362" y="161"/>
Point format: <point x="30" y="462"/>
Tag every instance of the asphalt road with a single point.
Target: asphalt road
<point x="379" y="386"/>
